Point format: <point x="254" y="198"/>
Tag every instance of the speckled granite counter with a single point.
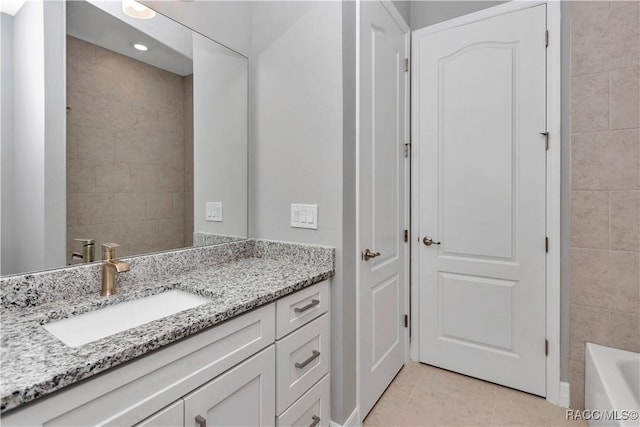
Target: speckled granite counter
<point x="237" y="277"/>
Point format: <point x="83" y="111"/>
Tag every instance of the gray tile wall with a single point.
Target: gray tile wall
<point x="126" y="152"/>
<point x="605" y="181"/>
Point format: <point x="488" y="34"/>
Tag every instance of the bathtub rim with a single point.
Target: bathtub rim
<point x="604" y="362"/>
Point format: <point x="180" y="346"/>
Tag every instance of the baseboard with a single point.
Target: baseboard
<point x="352" y="421"/>
<point x="565" y="395"/>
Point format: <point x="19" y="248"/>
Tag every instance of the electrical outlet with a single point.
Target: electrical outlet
<point x="214" y="211"/>
<point x="304" y="216"/>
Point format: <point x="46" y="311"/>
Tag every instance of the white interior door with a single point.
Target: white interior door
<point x="381" y="201"/>
<point x="481" y="111"/>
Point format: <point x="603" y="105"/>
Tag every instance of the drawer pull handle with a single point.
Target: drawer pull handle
<point x="316" y="421"/>
<point x="315" y="354"/>
<point x="312" y="304"/>
<point x="202" y="422"/>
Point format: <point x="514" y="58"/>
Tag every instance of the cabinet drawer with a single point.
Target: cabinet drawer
<point x="302" y="359"/>
<point x="312" y="409"/>
<point x="301" y="307"/>
<point x="171" y="416"/>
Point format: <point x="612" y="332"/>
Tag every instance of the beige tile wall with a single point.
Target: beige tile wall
<point x="125" y="152"/>
<point x="605" y="180"/>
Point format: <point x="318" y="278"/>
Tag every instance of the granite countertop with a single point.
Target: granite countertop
<point x="35" y="363"/>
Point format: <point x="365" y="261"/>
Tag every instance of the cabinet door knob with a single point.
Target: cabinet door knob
<point x="316" y="421"/>
<point x="202" y="422"/>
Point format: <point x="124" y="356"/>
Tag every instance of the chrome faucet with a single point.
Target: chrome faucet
<point x="111" y="266"/>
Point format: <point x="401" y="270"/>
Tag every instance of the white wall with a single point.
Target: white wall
<point x="565" y="195"/>
<point x="227" y="22"/>
<point x="425" y="13"/>
<point x="39" y="171"/>
<point x="404" y="7"/>
<point x="297" y="150"/>
<point x="6" y="139"/>
<point x="28" y="161"/>
<point x="55" y="135"/>
<point x="220" y="136"/>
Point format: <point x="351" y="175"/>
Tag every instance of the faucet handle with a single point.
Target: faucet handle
<point x="86" y="242"/>
<point x="109" y="251"/>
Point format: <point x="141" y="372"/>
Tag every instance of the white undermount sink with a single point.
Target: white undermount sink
<point x="84" y="328"/>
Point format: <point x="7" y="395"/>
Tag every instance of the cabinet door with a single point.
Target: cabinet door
<point x="171" y="416"/>
<point x="244" y="396"/>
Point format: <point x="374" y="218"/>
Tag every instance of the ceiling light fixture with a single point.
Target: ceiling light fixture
<point x="141" y="47"/>
<point x="137" y="10"/>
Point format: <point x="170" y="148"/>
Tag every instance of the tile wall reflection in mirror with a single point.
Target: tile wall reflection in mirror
<point x="145" y="145"/>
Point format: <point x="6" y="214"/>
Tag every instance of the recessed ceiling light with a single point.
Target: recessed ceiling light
<point x="140" y="46"/>
<point x="137" y="10"/>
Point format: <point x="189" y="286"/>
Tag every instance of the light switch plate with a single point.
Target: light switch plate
<point x="304" y="216"/>
<point x="214" y="211"/>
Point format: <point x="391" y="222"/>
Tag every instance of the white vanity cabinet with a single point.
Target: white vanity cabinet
<point x="228" y="375"/>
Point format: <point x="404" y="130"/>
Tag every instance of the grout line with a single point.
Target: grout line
<point x="609" y="243"/>
<point x="591" y="73"/>
<point x="609" y="83"/>
<point x="413" y="390"/>
<point x="608" y="310"/>
<point x="493" y="407"/>
<point x="628" y="251"/>
<point x="600" y="131"/>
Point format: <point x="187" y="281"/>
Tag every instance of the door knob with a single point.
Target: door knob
<point x="428" y="241"/>
<point x="367" y="254"/>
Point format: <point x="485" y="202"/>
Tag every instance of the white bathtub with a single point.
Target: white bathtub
<point x="612" y="386"/>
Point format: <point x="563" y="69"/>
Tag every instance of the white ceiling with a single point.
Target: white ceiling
<point x="11" y="7"/>
<point x="104" y="24"/>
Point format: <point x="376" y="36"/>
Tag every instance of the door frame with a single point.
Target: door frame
<point x="552" y="315"/>
<point x="356" y="417"/>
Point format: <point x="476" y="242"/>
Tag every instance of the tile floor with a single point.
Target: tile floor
<point x="422" y="395"/>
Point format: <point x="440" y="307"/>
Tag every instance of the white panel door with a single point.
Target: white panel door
<point x="382" y="201"/>
<point x="243" y="396"/>
<point x="481" y="111"/>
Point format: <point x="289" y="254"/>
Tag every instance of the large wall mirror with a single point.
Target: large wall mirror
<point x="116" y="129"/>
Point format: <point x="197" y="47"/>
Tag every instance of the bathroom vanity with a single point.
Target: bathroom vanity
<point x="257" y="353"/>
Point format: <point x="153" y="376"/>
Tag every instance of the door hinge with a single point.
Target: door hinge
<point x="546" y="244"/>
<point x="406" y="235"/>
<point x="546" y="38"/>
<point x="406" y="320"/>
<point x="406" y="64"/>
<point x="546" y="347"/>
<point x="546" y="139"/>
<point x="407" y="149"/>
